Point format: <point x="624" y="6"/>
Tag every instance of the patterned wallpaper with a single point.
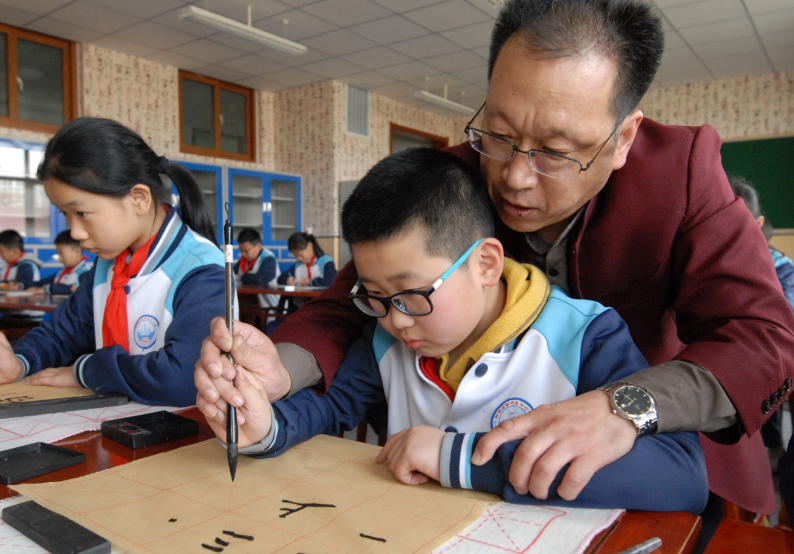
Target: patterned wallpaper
<point x="750" y="107"/>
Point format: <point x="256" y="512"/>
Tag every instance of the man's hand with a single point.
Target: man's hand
<point x="253" y="417"/>
<point x="414" y="454"/>
<point x="252" y="350"/>
<point x="53" y="377"/>
<point x="10" y="367"/>
<point x="581" y="431"/>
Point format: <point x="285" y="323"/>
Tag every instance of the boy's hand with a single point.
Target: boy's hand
<point x="414" y="454"/>
<point x="253" y="417"/>
<point x="291" y="281"/>
<point x="305" y="282"/>
<point x="13" y="286"/>
<point x="10" y="367"/>
<point x="53" y="377"/>
<point x="74" y="288"/>
<point x="36" y="290"/>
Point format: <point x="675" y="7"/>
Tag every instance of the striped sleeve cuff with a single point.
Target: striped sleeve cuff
<point x="79" y="368"/>
<point x="455" y="469"/>
<point x="25" y="366"/>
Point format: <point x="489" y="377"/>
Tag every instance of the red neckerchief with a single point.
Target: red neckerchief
<point x="68" y="270"/>
<point x="309" y="267"/>
<point x="114" y="324"/>
<point x="12" y="264"/>
<point x="245" y="264"/>
<point x="429" y="367"/>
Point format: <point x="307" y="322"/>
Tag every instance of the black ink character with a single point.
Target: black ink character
<point x="302" y="506"/>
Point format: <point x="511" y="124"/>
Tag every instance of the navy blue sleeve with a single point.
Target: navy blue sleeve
<point x="60" y="288"/>
<point x="785" y="274"/>
<point x="46" y="281"/>
<point x="663" y="472"/>
<point x="25" y="275"/>
<point x="356" y="388"/>
<point x="282" y="279"/>
<point x="68" y="335"/>
<point x="164" y="377"/>
<point x="329" y="274"/>
<point x="785" y="469"/>
<point x="267" y="270"/>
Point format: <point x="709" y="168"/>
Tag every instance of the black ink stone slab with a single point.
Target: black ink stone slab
<point x="32" y="460"/>
<point x="19" y="407"/>
<point x="149" y="429"/>
<point x="53" y="532"/>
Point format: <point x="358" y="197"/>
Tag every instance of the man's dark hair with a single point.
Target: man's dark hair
<point x="249" y="235"/>
<point x="11" y="239"/>
<point x="627" y="31"/>
<point x="420" y="187"/>
<point x="65" y="237"/>
<point x="745" y="190"/>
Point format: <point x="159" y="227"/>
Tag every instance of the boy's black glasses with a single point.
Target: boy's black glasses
<point x="546" y="163"/>
<point x="412" y="302"/>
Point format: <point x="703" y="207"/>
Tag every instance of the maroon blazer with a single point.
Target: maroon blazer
<point x="668" y="245"/>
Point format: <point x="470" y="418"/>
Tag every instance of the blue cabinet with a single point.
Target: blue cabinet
<point x="210" y="181"/>
<point x="270" y="203"/>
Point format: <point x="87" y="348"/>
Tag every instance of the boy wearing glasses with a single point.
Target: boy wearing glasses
<point x="461" y="340"/>
<point x="257" y="265"/>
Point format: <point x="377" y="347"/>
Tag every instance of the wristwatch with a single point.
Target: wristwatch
<point x="632" y="403"/>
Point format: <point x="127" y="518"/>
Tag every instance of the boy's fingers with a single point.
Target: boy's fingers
<point x="253" y="399"/>
<point x="204" y="384"/>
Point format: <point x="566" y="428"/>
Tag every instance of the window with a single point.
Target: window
<point x="357" y="111"/>
<point x="403" y="138"/>
<point x="216" y="118"/>
<point x="24" y="206"/>
<point x="37" y="80"/>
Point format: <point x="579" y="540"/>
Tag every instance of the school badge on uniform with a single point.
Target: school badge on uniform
<point x="510" y="408"/>
<point x="146" y="331"/>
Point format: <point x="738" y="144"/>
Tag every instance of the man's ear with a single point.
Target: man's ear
<point x="626" y="134"/>
<point x="491" y="260"/>
<point x="141" y="198"/>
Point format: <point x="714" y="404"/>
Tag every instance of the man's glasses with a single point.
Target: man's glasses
<point x="549" y="164"/>
<point x="412" y="302"/>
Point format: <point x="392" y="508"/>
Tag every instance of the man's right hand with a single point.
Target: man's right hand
<point x="250" y="349"/>
<point x="10" y="367"/>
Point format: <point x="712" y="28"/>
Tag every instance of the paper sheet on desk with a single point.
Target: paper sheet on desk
<point x="19" y="431"/>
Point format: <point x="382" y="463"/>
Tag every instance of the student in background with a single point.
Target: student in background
<point x="314" y="267"/>
<point x="22" y="268"/>
<point x="257" y="265"/>
<point x="771" y="430"/>
<point x="455" y="355"/>
<point x="136" y="323"/>
<point x="65" y="281"/>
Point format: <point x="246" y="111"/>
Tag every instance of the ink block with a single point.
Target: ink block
<point x="41" y="407"/>
<point x="32" y="460"/>
<point x="53" y="532"/>
<point x="149" y="429"/>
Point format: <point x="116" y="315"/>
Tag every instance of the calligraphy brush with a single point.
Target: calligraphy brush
<point x="231" y="413"/>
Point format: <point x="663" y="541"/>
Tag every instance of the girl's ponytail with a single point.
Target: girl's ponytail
<point x="191" y="201"/>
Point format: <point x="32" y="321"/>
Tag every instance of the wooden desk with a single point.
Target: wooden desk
<point x="282" y="290"/>
<point x="737" y="537"/>
<point x="102" y="453"/>
<point x="678" y="530"/>
<point x="251" y="311"/>
<point x="40" y="302"/>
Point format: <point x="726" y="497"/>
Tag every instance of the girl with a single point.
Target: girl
<point x="136" y="324"/>
<point x="314" y="267"/>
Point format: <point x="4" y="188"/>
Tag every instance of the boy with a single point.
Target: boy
<point x="21" y="267"/>
<point x="75" y="265"/>
<point x="257" y="265"/>
<point x="453" y="356"/>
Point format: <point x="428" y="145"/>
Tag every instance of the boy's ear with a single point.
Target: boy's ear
<point x="141" y="197"/>
<point x="491" y="261"/>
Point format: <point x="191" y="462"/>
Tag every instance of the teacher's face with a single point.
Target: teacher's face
<point x="560" y="105"/>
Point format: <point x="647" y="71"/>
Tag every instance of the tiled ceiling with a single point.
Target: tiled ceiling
<point x="394" y="47"/>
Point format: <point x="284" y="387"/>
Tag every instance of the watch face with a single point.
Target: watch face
<point x="632" y="400"/>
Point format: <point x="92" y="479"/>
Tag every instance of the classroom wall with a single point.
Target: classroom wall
<point x="743" y="108"/>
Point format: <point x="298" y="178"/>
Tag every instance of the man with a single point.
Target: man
<point x="636" y="215"/>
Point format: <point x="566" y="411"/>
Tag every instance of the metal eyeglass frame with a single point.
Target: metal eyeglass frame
<point x="532" y="151"/>
<point x="390" y="300"/>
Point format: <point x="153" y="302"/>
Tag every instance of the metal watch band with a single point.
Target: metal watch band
<point x="645" y="423"/>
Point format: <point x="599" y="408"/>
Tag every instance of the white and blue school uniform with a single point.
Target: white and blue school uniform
<point x="264" y="271"/>
<point x="170" y="304"/>
<point x="321" y="271"/>
<point x="572" y="347"/>
<point x="62" y="281"/>
<point x="25" y="271"/>
<point x="785" y="274"/>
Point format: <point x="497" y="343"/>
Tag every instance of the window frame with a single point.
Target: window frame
<point x="69" y="50"/>
<point x="250" y="117"/>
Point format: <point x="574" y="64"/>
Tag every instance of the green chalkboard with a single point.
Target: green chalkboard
<point x="769" y="165"/>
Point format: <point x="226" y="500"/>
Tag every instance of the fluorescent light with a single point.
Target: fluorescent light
<point x="441" y="102"/>
<point x="247" y="32"/>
